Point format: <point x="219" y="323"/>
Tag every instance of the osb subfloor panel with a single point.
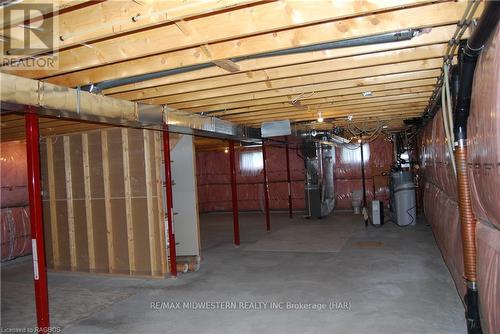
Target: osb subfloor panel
<point x="402" y="287"/>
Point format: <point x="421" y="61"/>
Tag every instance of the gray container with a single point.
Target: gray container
<point x="406" y="210"/>
<point x="397" y="178"/>
<point x="400" y="177"/>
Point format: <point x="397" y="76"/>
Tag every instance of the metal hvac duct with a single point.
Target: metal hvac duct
<point x="74" y="104"/>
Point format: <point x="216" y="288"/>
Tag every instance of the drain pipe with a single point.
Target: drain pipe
<point x="467" y="60"/>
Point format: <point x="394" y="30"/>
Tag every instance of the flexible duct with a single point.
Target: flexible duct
<point x="468" y="57"/>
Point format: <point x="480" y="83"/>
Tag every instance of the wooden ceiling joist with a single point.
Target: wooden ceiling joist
<point x="423" y="16"/>
<point x="110" y="18"/>
<point x="222" y="107"/>
<point x="340" y="118"/>
<point x="313" y="104"/>
<point x="20" y="16"/>
<point x="213" y="28"/>
<point x="314" y="79"/>
<point x="300" y="70"/>
<point x="351" y="84"/>
<point x="321" y="97"/>
<point x="335" y="112"/>
<point x="436" y="35"/>
<point x="326" y="110"/>
<point x="115" y="40"/>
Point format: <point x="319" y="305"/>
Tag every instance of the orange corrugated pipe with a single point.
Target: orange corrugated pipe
<point x="467" y="219"/>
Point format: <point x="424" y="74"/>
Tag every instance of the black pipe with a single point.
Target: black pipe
<point x="454" y="83"/>
<point x="363" y="177"/>
<point x="468" y="56"/>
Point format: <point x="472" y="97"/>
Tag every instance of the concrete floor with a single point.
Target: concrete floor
<point x="401" y="287"/>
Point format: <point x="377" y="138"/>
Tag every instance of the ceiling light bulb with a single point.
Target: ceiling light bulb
<point x="349" y="118"/>
<point x="320" y="118"/>
<point x="367" y="93"/>
<point x="226" y="150"/>
<point x="384" y="127"/>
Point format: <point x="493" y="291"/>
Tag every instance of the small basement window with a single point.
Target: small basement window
<point x="251" y="163"/>
<point x="353" y="156"/>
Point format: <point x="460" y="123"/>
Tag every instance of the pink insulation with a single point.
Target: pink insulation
<point x="440" y="193"/>
<point x="15" y="232"/>
<point x="13" y="174"/>
<point x="214" y="182"/>
<point x="214" y="191"/>
<point x="435" y="159"/>
<point x="442" y="214"/>
<point x="484" y="133"/>
<point x="488" y="267"/>
<point x="378" y="160"/>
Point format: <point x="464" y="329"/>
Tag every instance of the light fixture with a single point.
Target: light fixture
<point x="313" y="133"/>
<point x="226" y="150"/>
<point x="367" y="93"/>
<point x="359" y="141"/>
<point x="384" y="126"/>
<point x="320" y="117"/>
<point x="349" y="118"/>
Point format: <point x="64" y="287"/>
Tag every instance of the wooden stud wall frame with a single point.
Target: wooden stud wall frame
<point x="102" y="200"/>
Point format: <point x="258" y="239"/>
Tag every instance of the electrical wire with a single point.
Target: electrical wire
<point x="453" y="43"/>
<point x="447" y="117"/>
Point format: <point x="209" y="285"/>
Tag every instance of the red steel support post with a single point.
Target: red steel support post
<point x="35" y="201"/>
<point x="288" y="179"/>
<point x="234" y="191"/>
<point x="266" y="187"/>
<point x="168" y="189"/>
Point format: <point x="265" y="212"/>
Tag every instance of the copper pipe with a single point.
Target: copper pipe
<point x="467" y="219"/>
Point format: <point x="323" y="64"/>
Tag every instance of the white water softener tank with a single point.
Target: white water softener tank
<point x="406" y="209"/>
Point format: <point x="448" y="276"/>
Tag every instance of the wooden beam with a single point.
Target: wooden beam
<point x="111" y="18"/>
<point x="424" y="16"/>
<point x="349" y="84"/>
<point x="159" y="193"/>
<point x="303" y="84"/>
<point x="69" y="201"/>
<point x="331" y="112"/>
<point x="218" y="109"/>
<point x="350" y="100"/>
<point x="227" y="25"/>
<point x="338" y="64"/>
<point x="325" y="108"/>
<point x="376" y="115"/>
<point x="54" y="231"/>
<point x="128" y="202"/>
<point x="19" y="16"/>
<point x="149" y="203"/>
<point x="107" y="200"/>
<point x="88" y="202"/>
<point x="434" y="36"/>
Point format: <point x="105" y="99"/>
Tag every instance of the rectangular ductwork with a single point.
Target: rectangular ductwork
<point x="74" y="104"/>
